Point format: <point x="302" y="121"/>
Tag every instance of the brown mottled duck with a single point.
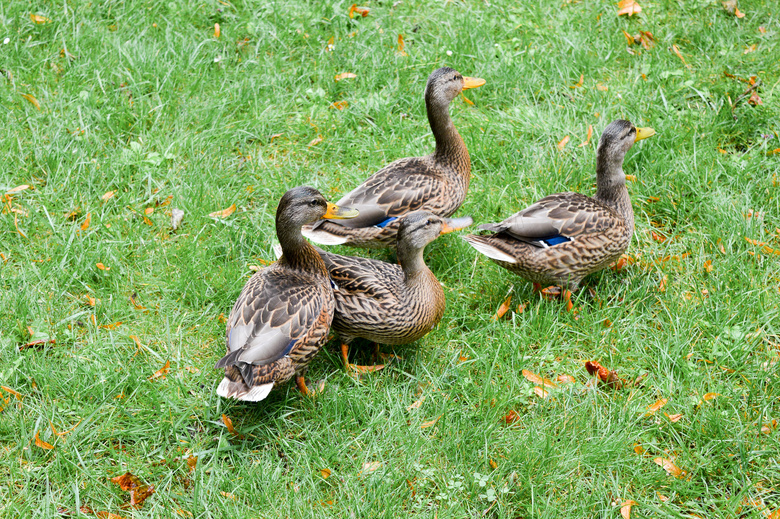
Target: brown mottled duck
<point x="282" y="317"/>
<point x="386" y="303"/>
<point x="566" y="236"/>
<point x="437" y="182"/>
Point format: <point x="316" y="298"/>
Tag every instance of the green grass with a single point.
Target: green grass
<point x="147" y="103"/>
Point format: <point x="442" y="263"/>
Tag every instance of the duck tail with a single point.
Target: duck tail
<point x="240" y="391"/>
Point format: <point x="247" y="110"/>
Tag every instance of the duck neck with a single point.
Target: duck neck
<point x="413" y="265"/>
<point x="450" y="147"/>
<point x="611" y="189"/>
<point x="298" y="253"/>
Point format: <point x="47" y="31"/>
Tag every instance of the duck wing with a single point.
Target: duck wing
<point x="557" y="218"/>
<point x="274" y="310"/>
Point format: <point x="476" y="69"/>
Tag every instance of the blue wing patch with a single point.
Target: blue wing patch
<point x="555" y="240"/>
<point x="385" y="223"/>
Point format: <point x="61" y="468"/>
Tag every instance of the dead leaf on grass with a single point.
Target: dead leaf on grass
<point x="625" y="509"/>
<point x="669" y="467"/>
<point x="139" y="491"/>
<point x="503" y="309"/>
<point x="108" y="195"/>
<point x="587" y="139"/>
<point x="430" y="423"/>
<point x="325" y="473"/>
<point x="224" y="213"/>
<point x="562" y="143"/>
<point x="579" y="83"/>
<point x="628" y="7"/>
<point x="401" y="46"/>
<point x="345" y="75"/>
<point x="217" y="31"/>
<point x="162" y="372"/>
<point x="32" y="100"/>
<point x="536" y="379"/>
<point x="416" y="404"/>
<point x="42" y="444"/>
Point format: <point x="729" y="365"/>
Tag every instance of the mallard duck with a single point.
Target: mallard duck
<point x="282" y="317"/>
<point x="437" y="182"/>
<point x="566" y="236"/>
<point x="386" y="303"/>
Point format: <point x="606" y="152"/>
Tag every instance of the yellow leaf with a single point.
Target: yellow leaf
<point x="541" y="392"/>
<point x="42" y="444"/>
<point x="401" y="46"/>
<point x="316" y="141"/>
<point x="217" y="32"/>
<point x="679" y="55"/>
<point x="430" y="423"/>
<point x="639" y="449"/>
<point x="579" y="83"/>
<point x="629" y="7"/>
<point x="536" y="379"/>
<point x="339" y="105"/>
<point x="39" y="19"/>
<point x="325" y="473"/>
<point x="709" y="396"/>
<point x="563" y="142"/>
<point x="708" y="265"/>
<point x="370" y="466"/>
<point x="345" y="75"/>
<point x="85" y="225"/>
<point x="590" y="134"/>
<point x="17" y="189"/>
<point x="674" y="417"/>
<point x="652" y="408"/>
<point x="493" y="464"/>
<point x="102" y="267"/>
<point x="108" y="196"/>
<point x="32" y="100"/>
<point x="503" y="309"/>
<point x="162" y="372"/>
<point x="224" y="213"/>
<point x="566" y="379"/>
<point x="669" y="467"/>
<point x="416" y="404"/>
<point x="625" y="509"/>
<point x="227" y="494"/>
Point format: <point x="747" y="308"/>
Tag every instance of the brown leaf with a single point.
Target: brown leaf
<point x="511" y="417"/>
<point x="32" y="100"/>
<point x="563" y="142"/>
<point x="148" y="211"/>
<point x="493" y="464"/>
<point x="325" y="473"/>
<point x="229" y="424"/>
<point x="541" y="392"/>
<point x="102" y="267"/>
<point x="401" y="46"/>
<point x="708" y="266"/>
<point x="111" y="326"/>
<point x="224" y="213"/>
<point x="339" y="105"/>
<point x="536" y="379"/>
<point x="625" y="509"/>
<point x="17" y="189"/>
<point x="192" y="461"/>
<point x="16" y="394"/>
<point x="217" y="31"/>
<point x="108" y="195"/>
<point x="629" y="39"/>
<point x="579" y="83"/>
<point x="87" y="220"/>
<point x="162" y="372"/>
<point x="566" y="379"/>
<point x="135" y="303"/>
<point x="430" y="423"/>
<point x="503" y="309"/>
<point x="754" y="99"/>
<point x="42" y="444"/>
<point x="108" y="515"/>
<point x="647" y="39"/>
<point x="652" y="408"/>
<point x="679" y="55"/>
<point x="39" y="19"/>
<point x="316" y="141"/>
<point x="674" y="418"/>
<point x="629" y="7"/>
<point x="228" y="495"/>
<point x="657" y="237"/>
<point x="345" y="75"/>
<point x="587" y="140"/>
<point x="709" y="396"/>
<point x="521" y="307"/>
<point x="416" y="404"/>
<point x="662" y="285"/>
<point x="669" y="467"/>
<point x="139" y="491"/>
<point x="370" y="466"/>
<point x="639" y="449"/>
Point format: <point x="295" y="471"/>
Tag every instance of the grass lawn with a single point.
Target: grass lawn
<point x="117" y="112"/>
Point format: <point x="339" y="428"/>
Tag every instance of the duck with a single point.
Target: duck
<point x="565" y="236"/>
<point x="282" y="316"/>
<point x="437" y="182"/>
<point x="390" y="303"/>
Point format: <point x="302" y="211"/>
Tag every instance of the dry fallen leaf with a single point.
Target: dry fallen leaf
<point x="39" y="19"/>
<point x="42" y="444"/>
<point x="503" y="309"/>
<point x="579" y="83"/>
<point x="652" y="408"/>
<point x="674" y="418"/>
<point x="224" y="213"/>
<point x="662" y="285"/>
<point x="139" y="491"/>
<point x="566" y="379"/>
<point x="731" y="7"/>
<point x="536" y="379"/>
<point x="17" y="189"/>
<point x="102" y="267"/>
<point x="541" y="392"/>
<point x="401" y="46"/>
<point x="325" y="473"/>
<point x="339" y="105"/>
<point x="108" y="195"/>
<point x="162" y="372"/>
<point x="430" y="423"/>
<point x="629" y="7"/>
<point x="108" y="515"/>
<point x="362" y="11"/>
<point x="511" y="417"/>
<point x="370" y="466"/>
<point x="345" y="75"/>
<point x="217" y="31"/>
<point x="192" y="462"/>
<point x="316" y="141"/>
<point x="563" y="142"/>
<point x="679" y="55"/>
<point x="587" y="140"/>
<point x="669" y="467"/>
<point x="657" y="237"/>
<point x="229" y="424"/>
<point x="708" y="265"/>
<point x="416" y="404"/>
<point x="609" y="378"/>
<point x="32" y="100"/>
<point x="625" y="509"/>
<point x="87" y="220"/>
<point x="639" y="449"/>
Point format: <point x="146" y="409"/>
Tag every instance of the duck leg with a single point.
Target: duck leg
<point x="555" y="292"/>
<point x="301" y="383"/>
<point x="355" y="368"/>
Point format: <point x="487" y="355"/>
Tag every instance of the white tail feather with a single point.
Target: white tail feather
<point x="489" y="251"/>
<point x="322" y="237"/>
<point x="240" y="391"/>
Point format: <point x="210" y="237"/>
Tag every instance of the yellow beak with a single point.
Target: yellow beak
<point x="455" y="224"/>
<point x="643" y="133"/>
<point x="340" y="213"/>
<point x="472" y="82"/>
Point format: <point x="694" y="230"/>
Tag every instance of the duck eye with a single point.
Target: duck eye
<point x="313" y="203"/>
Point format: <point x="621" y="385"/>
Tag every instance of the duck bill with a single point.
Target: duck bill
<point x="455" y="224"/>
<point x="340" y="213"/>
<point x="643" y="133"/>
<point x="472" y="82"/>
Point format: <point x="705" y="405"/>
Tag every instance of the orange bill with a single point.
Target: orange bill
<point x="472" y="82"/>
<point x="643" y="133"/>
<point x="455" y="224"/>
<point x="340" y="213"/>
